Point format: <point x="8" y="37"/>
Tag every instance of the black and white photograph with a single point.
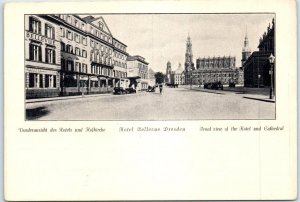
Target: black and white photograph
<point x="166" y="66"/>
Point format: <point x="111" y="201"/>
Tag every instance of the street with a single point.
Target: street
<point x="172" y="104"/>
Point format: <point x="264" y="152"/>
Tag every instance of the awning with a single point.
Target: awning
<point x="85" y="78"/>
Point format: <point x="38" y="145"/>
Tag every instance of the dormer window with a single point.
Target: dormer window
<point x="100" y="25"/>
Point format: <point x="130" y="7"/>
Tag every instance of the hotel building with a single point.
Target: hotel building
<point x="71" y="55"/>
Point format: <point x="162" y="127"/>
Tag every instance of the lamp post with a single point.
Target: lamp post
<point x="258" y="78"/>
<point x="271" y="61"/>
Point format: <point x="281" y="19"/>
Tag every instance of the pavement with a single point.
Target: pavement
<point x="260" y="94"/>
<point x="174" y="104"/>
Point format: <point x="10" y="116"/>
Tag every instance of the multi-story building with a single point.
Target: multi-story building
<point x="42" y="57"/>
<point x="137" y="72"/>
<point x="71" y="55"/>
<point x="257" y="66"/>
<point x="213" y="69"/>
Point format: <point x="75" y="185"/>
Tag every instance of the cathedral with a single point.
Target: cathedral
<point x="212" y="69"/>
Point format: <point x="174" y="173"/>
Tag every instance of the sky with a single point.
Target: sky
<point x="160" y="38"/>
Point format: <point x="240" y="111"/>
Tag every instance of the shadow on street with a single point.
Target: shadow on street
<point x="35" y="113"/>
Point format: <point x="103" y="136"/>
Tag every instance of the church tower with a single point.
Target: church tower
<point x="168" y="72"/>
<point x="246" y="52"/>
<point x="188" y="64"/>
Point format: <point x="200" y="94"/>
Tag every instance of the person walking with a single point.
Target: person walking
<point x="160" y="88"/>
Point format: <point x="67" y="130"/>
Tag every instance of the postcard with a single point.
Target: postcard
<point x="150" y="100"/>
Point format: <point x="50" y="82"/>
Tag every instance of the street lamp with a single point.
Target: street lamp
<point x="258" y="76"/>
<point x="271" y="61"/>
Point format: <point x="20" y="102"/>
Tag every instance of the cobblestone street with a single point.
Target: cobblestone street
<point x="173" y="104"/>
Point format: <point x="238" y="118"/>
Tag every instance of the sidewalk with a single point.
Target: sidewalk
<point x="261" y="94"/>
<point x="73" y="97"/>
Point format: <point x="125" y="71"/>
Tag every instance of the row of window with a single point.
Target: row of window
<point x="99" y="34"/>
<point x="103" y="48"/>
<point x="69" y="49"/>
<point x="41" y="80"/>
<point x="119" y="46"/>
<point x="119" y="55"/>
<point x="214" y="75"/>
<point x="73" y="21"/>
<point x="120" y="64"/>
<point x="100" y="58"/>
<point x="68" y="65"/>
<point x="35" y="53"/>
<point x="35" y="26"/>
<point x="73" y="36"/>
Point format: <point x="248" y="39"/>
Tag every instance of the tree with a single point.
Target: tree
<point x="159" y="77"/>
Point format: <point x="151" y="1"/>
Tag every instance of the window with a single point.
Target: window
<point x="34" y="80"/>
<point x="77" y="51"/>
<point x="50" y="56"/>
<point x="84" y="68"/>
<point x="62" y="32"/>
<point x="69" y="35"/>
<point x="100" y="25"/>
<point x="76" y="23"/>
<point x="77" y="38"/>
<point x="92" y="30"/>
<point x="84" y="40"/>
<point x="49" y="31"/>
<point x="69" y="19"/>
<point x="62" y="46"/>
<point x="78" y="67"/>
<point x="70" y="65"/>
<point x="97" y="33"/>
<point x="34" y="25"/>
<point x="83" y="26"/>
<point x="84" y="53"/>
<point x="63" y="64"/>
<point x="70" y="49"/>
<point x="92" y="43"/>
<point x="50" y="81"/>
<point x="35" y="52"/>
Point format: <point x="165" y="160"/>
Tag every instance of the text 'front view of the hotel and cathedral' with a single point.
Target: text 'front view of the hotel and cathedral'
<point x="143" y="66"/>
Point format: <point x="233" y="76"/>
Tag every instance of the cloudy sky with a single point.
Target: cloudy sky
<point x="162" y="37"/>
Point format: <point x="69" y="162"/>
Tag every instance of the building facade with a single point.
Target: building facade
<point x="257" y="67"/>
<point x="215" y="69"/>
<point x="42" y="57"/>
<point x="72" y="55"/>
<point x="137" y="69"/>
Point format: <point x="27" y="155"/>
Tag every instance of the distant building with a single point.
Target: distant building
<point x="256" y="67"/>
<point x="152" y="80"/>
<point x="137" y="69"/>
<point x="179" y="75"/>
<point x="213" y="69"/>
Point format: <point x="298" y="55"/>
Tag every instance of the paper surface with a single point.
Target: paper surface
<point x="189" y="163"/>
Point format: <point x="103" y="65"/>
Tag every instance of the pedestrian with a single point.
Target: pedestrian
<point x="160" y="88"/>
